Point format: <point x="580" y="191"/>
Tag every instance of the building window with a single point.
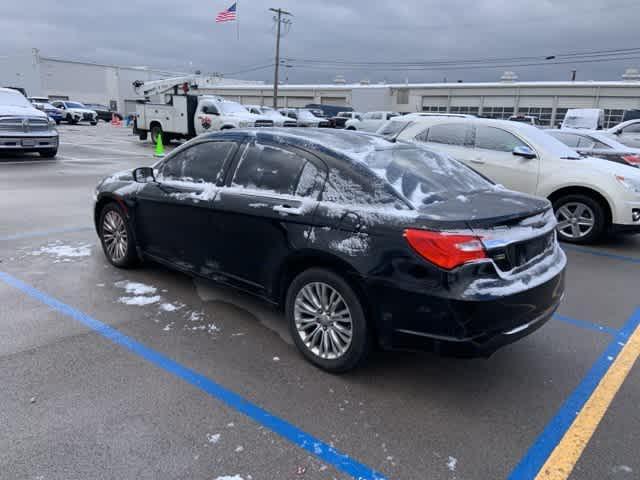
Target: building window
<point x="434" y="108"/>
<point x="465" y="110"/>
<point x="501" y="113"/>
<point x="403" y="97"/>
<point x="612" y="117"/>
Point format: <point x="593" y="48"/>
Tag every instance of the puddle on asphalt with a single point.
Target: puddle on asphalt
<point x="268" y="317"/>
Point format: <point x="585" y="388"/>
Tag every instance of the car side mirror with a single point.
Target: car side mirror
<point x="525" y="152"/>
<point x="144" y="175"/>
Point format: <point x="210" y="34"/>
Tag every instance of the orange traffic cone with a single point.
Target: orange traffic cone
<point x="115" y="121"/>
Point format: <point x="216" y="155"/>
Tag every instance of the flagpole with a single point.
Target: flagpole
<point x="238" y="19"/>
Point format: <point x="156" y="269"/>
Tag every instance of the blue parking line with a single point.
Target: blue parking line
<point x="537" y="455"/>
<point x="584" y="324"/>
<point x="598" y="253"/>
<point x="45" y="233"/>
<point x="316" y="447"/>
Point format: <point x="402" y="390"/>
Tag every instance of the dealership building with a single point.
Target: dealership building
<point x="548" y="101"/>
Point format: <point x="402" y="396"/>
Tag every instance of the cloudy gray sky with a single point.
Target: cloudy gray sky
<point x="182" y="35"/>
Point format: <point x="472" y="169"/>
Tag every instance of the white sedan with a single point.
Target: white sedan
<point x="590" y="195"/>
<point x="370" y="121"/>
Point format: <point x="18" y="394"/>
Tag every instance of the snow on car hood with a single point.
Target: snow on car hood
<point x="14" y="111"/>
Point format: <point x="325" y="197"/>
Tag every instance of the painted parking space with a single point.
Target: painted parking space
<point x="404" y="415"/>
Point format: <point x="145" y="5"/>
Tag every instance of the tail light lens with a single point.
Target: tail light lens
<point x="632" y="160"/>
<point x="445" y="250"/>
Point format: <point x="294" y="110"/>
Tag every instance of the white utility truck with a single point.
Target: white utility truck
<point x="181" y="109"/>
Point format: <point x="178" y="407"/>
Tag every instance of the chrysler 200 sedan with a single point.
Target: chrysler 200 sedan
<point x="360" y="241"/>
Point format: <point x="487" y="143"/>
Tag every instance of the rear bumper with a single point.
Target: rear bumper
<point x="468" y="324"/>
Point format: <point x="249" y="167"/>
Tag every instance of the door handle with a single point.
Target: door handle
<point x="288" y="209"/>
<point x="477" y="160"/>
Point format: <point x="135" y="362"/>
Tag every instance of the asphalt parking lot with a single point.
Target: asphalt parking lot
<point x="147" y="373"/>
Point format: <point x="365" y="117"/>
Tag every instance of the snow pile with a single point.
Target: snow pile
<point x="140" y="300"/>
<point x="451" y="463"/>
<point x="213" y="438"/>
<point x="229" y="477"/>
<point x="64" y="253"/>
<point x="171" y="307"/>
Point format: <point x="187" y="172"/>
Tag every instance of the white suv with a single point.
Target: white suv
<point x="590" y="195"/>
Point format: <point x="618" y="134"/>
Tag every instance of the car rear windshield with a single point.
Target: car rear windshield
<point x="74" y="105"/>
<point x="14" y="99"/>
<point x="419" y="174"/>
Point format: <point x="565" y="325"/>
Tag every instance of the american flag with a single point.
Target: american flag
<point x="228" y="15"/>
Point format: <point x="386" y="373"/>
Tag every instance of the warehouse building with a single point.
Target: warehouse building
<point x="60" y="79"/>
<point x="548" y="101"/>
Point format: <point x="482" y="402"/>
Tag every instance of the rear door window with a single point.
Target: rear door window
<point x="634" y="128"/>
<point x="569" y="139"/>
<point x="201" y="163"/>
<point x="276" y="170"/>
<point x="491" y="138"/>
<point x="450" y="134"/>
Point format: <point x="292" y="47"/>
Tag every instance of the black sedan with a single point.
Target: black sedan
<point x="359" y="240"/>
<point x="104" y="113"/>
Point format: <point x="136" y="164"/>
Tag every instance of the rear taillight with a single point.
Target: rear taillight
<point x="446" y="250"/>
<point x="632" y="160"/>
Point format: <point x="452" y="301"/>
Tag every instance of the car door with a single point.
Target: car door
<point x="267" y="209"/>
<point x="494" y="157"/>
<point x="172" y="215"/>
<point x="630" y="135"/>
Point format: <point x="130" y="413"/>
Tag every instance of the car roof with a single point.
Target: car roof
<point x="623" y="124"/>
<point x="347" y="142"/>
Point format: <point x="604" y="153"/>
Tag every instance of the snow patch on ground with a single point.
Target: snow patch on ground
<point x="135" y="288"/>
<point x="139" y="300"/>
<point x="171" y="307"/>
<point x="239" y="449"/>
<point x="64" y="253"/>
<point x="452" y="462"/>
<point x="213" y="438"/>
<point x="462" y="198"/>
<point x="229" y="477"/>
<point x="622" y="468"/>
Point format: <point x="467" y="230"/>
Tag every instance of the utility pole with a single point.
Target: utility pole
<point x="573" y="75"/>
<point x="278" y="19"/>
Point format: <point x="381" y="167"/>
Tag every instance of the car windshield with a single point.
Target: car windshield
<point x="232" y="107"/>
<point x="74" y="105"/>
<point x="306" y="115"/>
<point x="420" y="174"/>
<point x="14" y="99"/>
<point x="553" y="145"/>
<point x="345" y="114"/>
<point x="391" y="129"/>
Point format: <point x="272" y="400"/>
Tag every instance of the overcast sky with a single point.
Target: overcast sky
<point x="182" y="35"/>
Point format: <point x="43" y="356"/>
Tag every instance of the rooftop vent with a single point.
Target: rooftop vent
<point x="339" y="80"/>
<point x="631" y="74"/>
<point x="509" y="76"/>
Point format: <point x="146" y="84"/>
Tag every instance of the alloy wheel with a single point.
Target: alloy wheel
<point x="323" y="320"/>
<point x="114" y="235"/>
<point x="575" y="220"/>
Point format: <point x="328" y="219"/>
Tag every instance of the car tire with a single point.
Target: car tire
<point x="350" y="128"/>
<point x="94" y="123"/>
<point x="50" y="153"/>
<point x="339" y="352"/>
<point x="71" y="120"/>
<point x="581" y="218"/>
<point x="57" y="122"/>
<point x="116" y="237"/>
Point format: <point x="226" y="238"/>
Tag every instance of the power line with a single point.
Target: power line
<point x="249" y="69"/>
<point x="577" y="56"/>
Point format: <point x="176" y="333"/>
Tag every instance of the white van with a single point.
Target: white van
<point x="584" y="118"/>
